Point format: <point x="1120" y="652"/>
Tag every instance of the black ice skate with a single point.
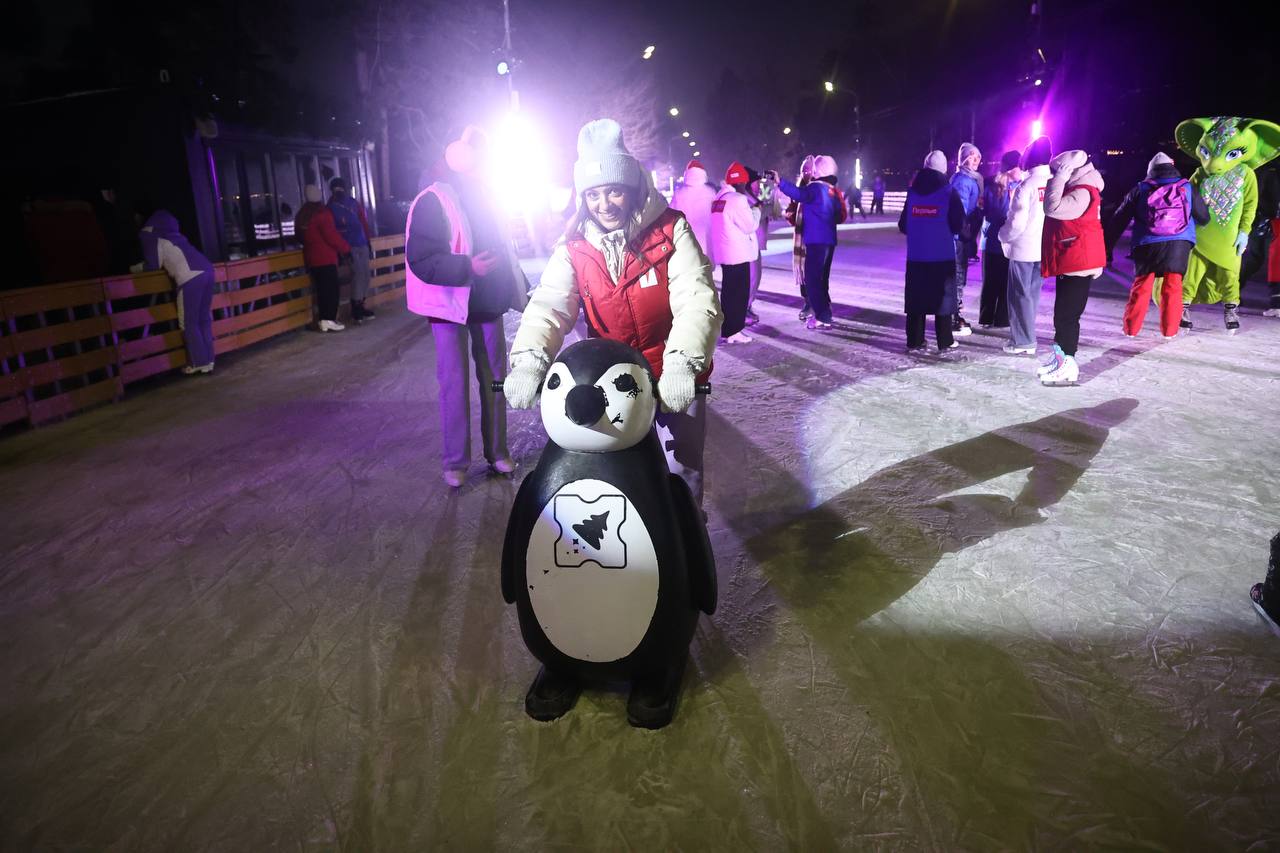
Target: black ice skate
<point x="1266" y="595"/>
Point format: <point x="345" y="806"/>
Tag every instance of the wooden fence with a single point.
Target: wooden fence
<point x="66" y="347"/>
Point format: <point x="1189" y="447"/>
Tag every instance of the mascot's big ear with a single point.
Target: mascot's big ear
<point x="1188" y="134"/>
<point x="1268" y="134"/>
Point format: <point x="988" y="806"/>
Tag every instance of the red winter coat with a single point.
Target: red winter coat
<point x="1074" y="245"/>
<point x="636" y="310"/>
<point x="321" y="242"/>
<point x="1273" y="256"/>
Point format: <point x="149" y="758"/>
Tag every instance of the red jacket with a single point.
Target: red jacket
<point x="321" y="242"/>
<point x="636" y="310"/>
<point x="1074" y="245"/>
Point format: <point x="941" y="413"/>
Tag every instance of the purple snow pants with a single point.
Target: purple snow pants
<point x="195" y="297"/>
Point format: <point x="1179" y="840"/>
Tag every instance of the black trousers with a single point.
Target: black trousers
<point x="993" y="305"/>
<point x="735" y="288"/>
<point x="1068" y="304"/>
<point x="817" y="279"/>
<point x="326" y="281"/>
<point x="941" y="330"/>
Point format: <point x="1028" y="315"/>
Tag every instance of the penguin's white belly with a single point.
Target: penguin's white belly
<point x="592" y="572"/>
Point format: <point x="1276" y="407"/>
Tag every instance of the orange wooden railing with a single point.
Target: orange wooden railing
<point x="65" y="347"/>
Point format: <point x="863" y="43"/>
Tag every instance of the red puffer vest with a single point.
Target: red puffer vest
<point x="1074" y="245"/>
<point x="636" y="310"/>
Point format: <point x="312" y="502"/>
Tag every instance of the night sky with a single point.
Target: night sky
<point x="1118" y="75"/>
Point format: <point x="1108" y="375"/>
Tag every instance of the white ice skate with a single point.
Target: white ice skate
<point x="1067" y="373"/>
<point x="1051" y="362"/>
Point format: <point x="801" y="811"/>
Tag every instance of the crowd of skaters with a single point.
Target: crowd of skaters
<point x="1039" y="216"/>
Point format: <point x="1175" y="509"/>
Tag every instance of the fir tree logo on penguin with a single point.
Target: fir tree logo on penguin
<point x="606" y="554"/>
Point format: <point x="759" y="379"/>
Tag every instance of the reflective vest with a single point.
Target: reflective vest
<point x="1074" y="245"/>
<point x="637" y="309"/>
<point x="929" y="236"/>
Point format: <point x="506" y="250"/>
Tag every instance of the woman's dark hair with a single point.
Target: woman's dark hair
<point x="1038" y="153"/>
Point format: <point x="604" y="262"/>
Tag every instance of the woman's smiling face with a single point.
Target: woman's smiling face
<point x="610" y="205"/>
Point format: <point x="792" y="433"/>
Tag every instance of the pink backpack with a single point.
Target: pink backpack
<point x="1168" y="211"/>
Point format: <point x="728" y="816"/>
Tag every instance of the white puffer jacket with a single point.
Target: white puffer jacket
<point x="694" y="199"/>
<point x="733" y="228"/>
<point x="1021" y="233"/>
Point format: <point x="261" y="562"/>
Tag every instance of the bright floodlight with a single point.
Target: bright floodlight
<point x="1037" y="129"/>
<point x="1039" y="81"/>
<point x="648" y="52"/>
<point x="503" y="68"/>
<point x="674" y="111"/>
<point x="519" y="168"/>
<point x="685" y="134"/>
<point x="829" y="86"/>
<point x="692" y="144"/>
<point x="697" y="154"/>
<point x="786" y="131"/>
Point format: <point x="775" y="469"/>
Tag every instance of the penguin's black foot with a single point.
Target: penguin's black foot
<point x="653" y="699"/>
<point x="551" y="695"/>
<point x="1272" y="619"/>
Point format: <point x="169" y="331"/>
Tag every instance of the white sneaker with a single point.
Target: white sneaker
<point x="1271" y="312"/>
<point x="454" y="477"/>
<point x="1067" y="373"/>
<point x="331" y="326"/>
<point x="1051" y="362"/>
<point x="191" y="370"/>
<point x="739" y="338"/>
<point x="1013" y="349"/>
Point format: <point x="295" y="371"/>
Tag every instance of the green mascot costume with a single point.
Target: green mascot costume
<point x="1228" y="149"/>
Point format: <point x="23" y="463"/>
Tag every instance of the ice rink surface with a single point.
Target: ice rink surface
<point x="958" y="610"/>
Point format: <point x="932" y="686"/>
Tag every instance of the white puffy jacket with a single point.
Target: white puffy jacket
<point x="693" y="198"/>
<point x="733" y="228"/>
<point x="1022" y="230"/>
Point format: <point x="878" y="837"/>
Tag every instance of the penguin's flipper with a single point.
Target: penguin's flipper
<point x="697" y="546"/>
<point x="511" y="557"/>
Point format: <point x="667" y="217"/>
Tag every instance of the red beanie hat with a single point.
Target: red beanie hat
<point x="737" y="174"/>
<point x="695" y="164"/>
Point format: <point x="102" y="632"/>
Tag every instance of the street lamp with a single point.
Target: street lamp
<point x="674" y="111"/>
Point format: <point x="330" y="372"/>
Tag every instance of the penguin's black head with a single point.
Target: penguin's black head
<point x="599" y="396"/>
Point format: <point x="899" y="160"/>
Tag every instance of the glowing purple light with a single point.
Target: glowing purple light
<point x="1037" y="129"/>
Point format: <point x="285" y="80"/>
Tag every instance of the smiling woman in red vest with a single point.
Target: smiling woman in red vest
<point x="1074" y="250"/>
<point x="637" y="270"/>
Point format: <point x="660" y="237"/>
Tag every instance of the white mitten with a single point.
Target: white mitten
<point x="1242" y="242"/>
<point x="676" y="386"/>
<point x="525" y="378"/>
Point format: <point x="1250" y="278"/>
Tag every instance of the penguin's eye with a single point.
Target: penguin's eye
<point x="553" y="381"/>
<point x="626" y="383"/>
